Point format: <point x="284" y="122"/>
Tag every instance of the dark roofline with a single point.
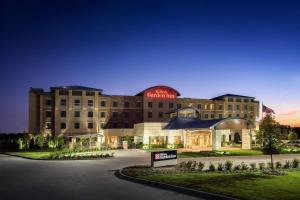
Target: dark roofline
<point x="76" y="87"/>
<point x="231" y="95"/>
<point x="164" y="86"/>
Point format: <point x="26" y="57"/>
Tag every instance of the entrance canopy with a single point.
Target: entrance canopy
<point x="196" y="123"/>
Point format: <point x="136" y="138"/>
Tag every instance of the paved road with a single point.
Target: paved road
<point x="30" y="179"/>
<point x="71" y="180"/>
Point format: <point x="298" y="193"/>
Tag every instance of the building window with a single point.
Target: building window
<point x="76" y="113"/>
<point x="220" y="107"/>
<point x="149" y="114"/>
<point x="115" y="114"/>
<point x="246" y="100"/>
<point x="220" y="116"/>
<point x="238" y="107"/>
<point x="126" y="125"/>
<point x="48" y="102"/>
<point x="160" y="104"/>
<point x="150" y="104"/>
<point x="76" y="93"/>
<point x="63" y="113"/>
<point x="48" y="125"/>
<point x="199" y="106"/>
<point x="76" y="102"/>
<point x="212" y="116"/>
<point x="138" y="104"/>
<point x="126" y="114"/>
<point x="102" y="125"/>
<point x="90" y="114"/>
<point x="102" y="103"/>
<point x="76" y="125"/>
<point x="205" y="107"/>
<point x="171" y="105"/>
<point x="115" y="125"/>
<point x="179" y="105"/>
<point x="212" y="106"/>
<point x="90" y="103"/>
<point x="89" y="93"/>
<point x="63" y="126"/>
<point x="102" y="114"/>
<point x="138" y="115"/>
<point x="238" y="100"/>
<point x="48" y="113"/>
<point x="115" y="104"/>
<point x="252" y="108"/>
<point x="237" y="115"/>
<point x="230" y="99"/>
<point x="126" y="104"/>
<point x="160" y="114"/>
<point x="245" y="116"/>
<point x="229" y="107"/>
<point x="206" y="116"/>
<point x="90" y="125"/>
<point x="63" y="102"/>
<point x="229" y="115"/>
<point x="246" y="107"/>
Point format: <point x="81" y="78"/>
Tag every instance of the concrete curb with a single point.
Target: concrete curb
<point x="184" y="190"/>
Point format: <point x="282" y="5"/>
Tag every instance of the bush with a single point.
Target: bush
<point x="211" y="167"/>
<point x="267" y="151"/>
<point x="200" y="166"/>
<point x="189" y="165"/>
<point x="253" y="166"/>
<point x="287" y="164"/>
<point x="278" y="165"/>
<point x="292" y="136"/>
<point x="228" y="165"/>
<point x="237" y="167"/>
<point x="262" y="166"/>
<point x="174" y="146"/>
<point x="220" y="166"/>
<point x="244" y="166"/>
<point x="295" y="163"/>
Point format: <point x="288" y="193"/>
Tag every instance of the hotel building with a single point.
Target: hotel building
<point x="155" y="115"/>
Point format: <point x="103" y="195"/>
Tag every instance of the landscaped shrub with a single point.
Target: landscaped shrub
<point x="211" y="167"/>
<point x="269" y="164"/>
<point x="253" y="166"/>
<point x="193" y="166"/>
<point x="295" y="163"/>
<point x="189" y="165"/>
<point x="228" y="165"/>
<point x="181" y="165"/>
<point x="244" y="166"/>
<point x="237" y="167"/>
<point x="75" y="156"/>
<point x="267" y="150"/>
<point x="262" y="166"/>
<point x="278" y="165"/>
<point x="220" y="166"/>
<point x="287" y="164"/>
<point x="200" y="166"/>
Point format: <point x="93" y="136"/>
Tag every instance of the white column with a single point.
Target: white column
<point x="216" y="140"/>
<point x="246" y="139"/>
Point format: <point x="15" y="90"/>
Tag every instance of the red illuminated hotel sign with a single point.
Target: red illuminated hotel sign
<point x="161" y="93"/>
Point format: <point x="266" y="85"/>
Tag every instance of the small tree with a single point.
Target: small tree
<point x="20" y="143"/>
<point x="269" y="136"/>
<point x="40" y="140"/>
<point x="292" y="136"/>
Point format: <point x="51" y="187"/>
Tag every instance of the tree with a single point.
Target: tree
<point x="292" y="136"/>
<point x="40" y="140"/>
<point x="268" y="136"/>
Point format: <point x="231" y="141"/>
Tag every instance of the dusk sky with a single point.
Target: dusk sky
<point x="201" y="48"/>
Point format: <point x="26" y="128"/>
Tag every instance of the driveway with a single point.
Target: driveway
<point x="71" y="180"/>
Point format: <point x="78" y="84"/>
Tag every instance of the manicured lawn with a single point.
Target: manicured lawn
<point x="32" y="154"/>
<point x="240" y="152"/>
<point x="246" y="185"/>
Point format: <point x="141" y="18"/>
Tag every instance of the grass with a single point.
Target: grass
<point x="239" y="152"/>
<point x="243" y="185"/>
<point x="33" y="154"/>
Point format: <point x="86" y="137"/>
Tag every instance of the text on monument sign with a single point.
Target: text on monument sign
<point x="163" y="158"/>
